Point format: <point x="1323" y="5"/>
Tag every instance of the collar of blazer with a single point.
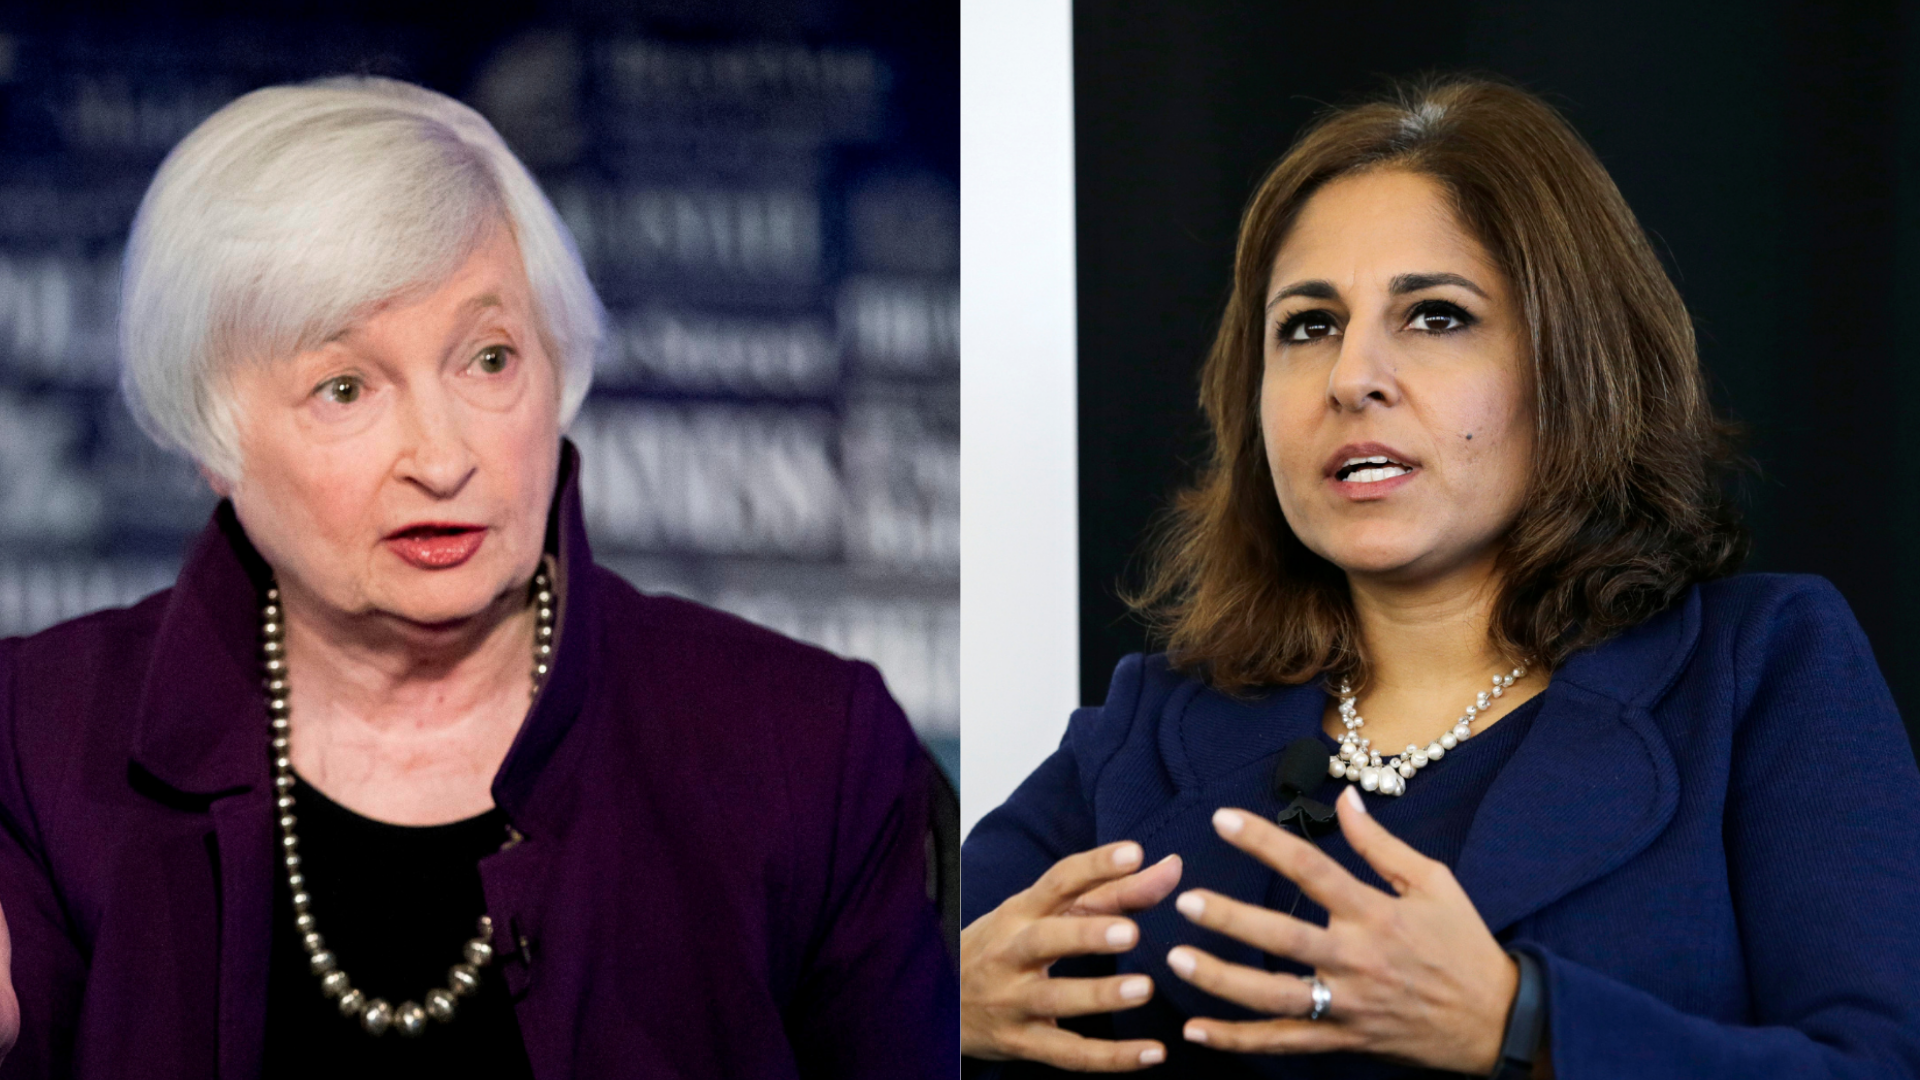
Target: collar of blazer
<point x="1591" y="784"/>
<point x="200" y="737"/>
<point x="202" y="723"/>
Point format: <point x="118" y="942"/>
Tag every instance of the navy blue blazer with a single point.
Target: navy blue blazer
<point x="1710" y="836"/>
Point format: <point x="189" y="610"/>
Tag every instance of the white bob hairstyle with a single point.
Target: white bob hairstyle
<point x="294" y="210"/>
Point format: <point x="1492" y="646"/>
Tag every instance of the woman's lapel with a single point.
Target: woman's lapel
<point x="1217" y="752"/>
<point x="1590" y="786"/>
<point x="1594" y="781"/>
<point x="202" y="732"/>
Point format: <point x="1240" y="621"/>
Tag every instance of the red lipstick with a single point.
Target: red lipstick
<point x="437" y="545"/>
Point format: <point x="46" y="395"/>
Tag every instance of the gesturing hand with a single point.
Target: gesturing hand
<point x="9" y="1005"/>
<point x="1415" y="977"/>
<point x="1009" y="1004"/>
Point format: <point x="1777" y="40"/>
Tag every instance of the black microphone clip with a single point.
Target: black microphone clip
<point x="1302" y="768"/>
<point x="1310" y="818"/>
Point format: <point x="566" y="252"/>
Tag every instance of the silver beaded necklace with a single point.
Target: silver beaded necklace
<point x="1359" y="762"/>
<point x="375" y="1015"/>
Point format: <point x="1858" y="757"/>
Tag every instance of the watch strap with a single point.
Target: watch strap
<point x="1526" y="1021"/>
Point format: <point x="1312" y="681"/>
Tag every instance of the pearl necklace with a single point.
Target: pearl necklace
<point x="375" y="1015"/>
<point x="1358" y="761"/>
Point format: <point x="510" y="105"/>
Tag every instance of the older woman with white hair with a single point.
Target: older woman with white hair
<point x="395" y="777"/>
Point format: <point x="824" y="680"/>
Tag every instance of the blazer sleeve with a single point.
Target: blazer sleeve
<point x="1822" y="833"/>
<point x="48" y="971"/>
<point x="879" y="998"/>
<point x="1047" y="818"/>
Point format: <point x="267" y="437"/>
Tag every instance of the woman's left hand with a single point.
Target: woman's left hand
<point x="1415" y="977"/>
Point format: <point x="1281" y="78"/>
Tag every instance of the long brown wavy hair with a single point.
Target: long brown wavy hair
<point x="1626" y="507"/>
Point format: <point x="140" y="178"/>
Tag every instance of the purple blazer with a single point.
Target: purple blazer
<point x="723" y="871"/>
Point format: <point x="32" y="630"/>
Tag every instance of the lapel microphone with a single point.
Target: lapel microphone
<point x="1302" y="768"/>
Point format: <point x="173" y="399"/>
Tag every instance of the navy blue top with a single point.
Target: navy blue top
<point x="1435" y="813"/>
<point x="1708" y="834"/>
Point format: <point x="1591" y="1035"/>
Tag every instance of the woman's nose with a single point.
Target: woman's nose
<point x="1363" y="371"/>
<point x="434" y="453"/>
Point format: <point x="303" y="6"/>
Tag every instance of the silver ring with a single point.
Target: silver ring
<point x="1322" y="997"/>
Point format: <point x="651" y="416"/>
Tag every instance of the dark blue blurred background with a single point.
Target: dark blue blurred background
<point x="765" y="193"/>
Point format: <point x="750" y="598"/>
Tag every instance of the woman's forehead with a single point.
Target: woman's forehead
<point x="1375" y="228"/>
<point x="492" y="280"/>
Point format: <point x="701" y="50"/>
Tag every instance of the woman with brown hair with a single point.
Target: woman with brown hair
<point x="1459" y="566"/>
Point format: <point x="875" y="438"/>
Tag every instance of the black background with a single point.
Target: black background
<point x="1768" y="148"/>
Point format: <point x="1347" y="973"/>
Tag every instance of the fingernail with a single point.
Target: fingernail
<point x="1120" y="935"/>
<point x="1194" y="1034"/>
<point x="1191" y="904"/>
<point x="1352" y="795"/>
<point x="1152" y="1056"/>
<point x="1229" y="822"/>
<point x="1136" y="988"/>
<point x="1163" y="862"/>
<point x="1127" y="855"/>
<point x="1182" y="962"/>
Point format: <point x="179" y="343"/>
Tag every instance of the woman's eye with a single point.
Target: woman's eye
<point x="494" y="360"/>
<point x="1308" y="326"/>
<point x="344" y="390"/>
<point x="1438" y="317"/>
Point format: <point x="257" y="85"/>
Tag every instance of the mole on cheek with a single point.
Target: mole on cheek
<point x="1469" y="436"/>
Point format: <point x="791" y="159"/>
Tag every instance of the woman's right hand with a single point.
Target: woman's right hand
<point x="1008" y="1002"/>
<point x="9" y="1005"/>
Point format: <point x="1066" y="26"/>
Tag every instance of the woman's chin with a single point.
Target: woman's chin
<point x="1369" y="555"/>
<point x="1390" y="560"/>
<point x="444" y="598"/>
<point x="1402" y="567"/>
<point x="1379" y="569"/>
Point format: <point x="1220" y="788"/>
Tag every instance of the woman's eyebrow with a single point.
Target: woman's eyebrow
<point x="1317" y="289"/>
<point x="482" y="302"/>
<point x="1402" y="284"/>
<point x="477" y="308"/>
<point x="1406" y="283"/>
<point x="472" y="305"/>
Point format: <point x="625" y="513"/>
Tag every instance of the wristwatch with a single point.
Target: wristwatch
<point x="1526" y="1021"/>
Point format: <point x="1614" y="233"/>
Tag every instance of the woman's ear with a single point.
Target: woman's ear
<point x="220" y="487"/>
